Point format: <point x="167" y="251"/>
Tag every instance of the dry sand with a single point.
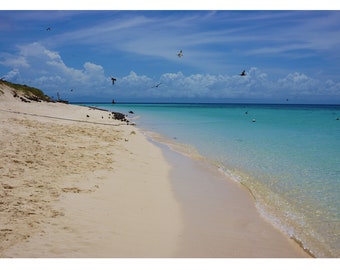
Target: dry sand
<point x="76" y="189"/>
<point x="75" y="183"/>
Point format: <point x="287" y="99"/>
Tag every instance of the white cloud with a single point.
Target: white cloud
<point x="13" y="61"/>
<point x="300" y="84"/>
<point x="45" y="69"/>
<point x="12" y="74"/>
<point x="258" y="33"/>
<point x="256" y="85"/>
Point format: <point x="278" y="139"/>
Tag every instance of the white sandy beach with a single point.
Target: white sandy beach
<point x="76" y="183"/>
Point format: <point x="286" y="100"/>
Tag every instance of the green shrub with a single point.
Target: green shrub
<point x="28" y="90"/>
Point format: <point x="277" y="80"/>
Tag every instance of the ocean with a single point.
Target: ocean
<point x="288" y="156"/>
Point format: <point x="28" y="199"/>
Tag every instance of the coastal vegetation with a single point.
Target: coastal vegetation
<point x="28" y="92"/>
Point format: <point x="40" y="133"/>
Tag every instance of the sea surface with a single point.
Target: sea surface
<point x="288" y="156"/>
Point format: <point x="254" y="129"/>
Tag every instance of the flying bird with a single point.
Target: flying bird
<point x="243" y="73"/>
<point x="157" y="85"/>
<point x="48" y="29"/>
<point x="180" y="54"/>
<point x="113" y="80"/>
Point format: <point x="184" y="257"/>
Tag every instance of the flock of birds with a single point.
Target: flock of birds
<point x="179" y="54"/>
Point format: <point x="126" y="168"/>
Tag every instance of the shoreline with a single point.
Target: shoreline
<point x="205" y="165"/>
<point x="222" y="209"/>
<point x="78" y="183"/>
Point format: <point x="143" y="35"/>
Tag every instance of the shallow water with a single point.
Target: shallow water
<point x="288" y="156"/>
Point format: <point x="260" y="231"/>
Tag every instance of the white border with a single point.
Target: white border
<point x="171" y="5"/>
<point x="170" y="264"/>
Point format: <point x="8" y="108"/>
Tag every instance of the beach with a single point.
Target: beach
<point x="76" y="183"/>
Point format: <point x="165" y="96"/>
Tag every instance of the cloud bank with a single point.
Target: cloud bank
<point x="33" y="64"/>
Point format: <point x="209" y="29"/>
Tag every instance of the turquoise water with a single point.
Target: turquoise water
<point x="287" y="155"/>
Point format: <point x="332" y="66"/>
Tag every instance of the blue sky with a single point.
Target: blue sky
<point x="291" y="54"/>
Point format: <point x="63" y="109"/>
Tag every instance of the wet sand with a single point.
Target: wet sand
<point x="220" y="217"/>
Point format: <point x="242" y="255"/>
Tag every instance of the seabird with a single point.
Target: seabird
<point x="113" y="80"/>
<point x="243" y="73"/>
<point x="156" y="86"/>
<point x="180" y="54"/>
